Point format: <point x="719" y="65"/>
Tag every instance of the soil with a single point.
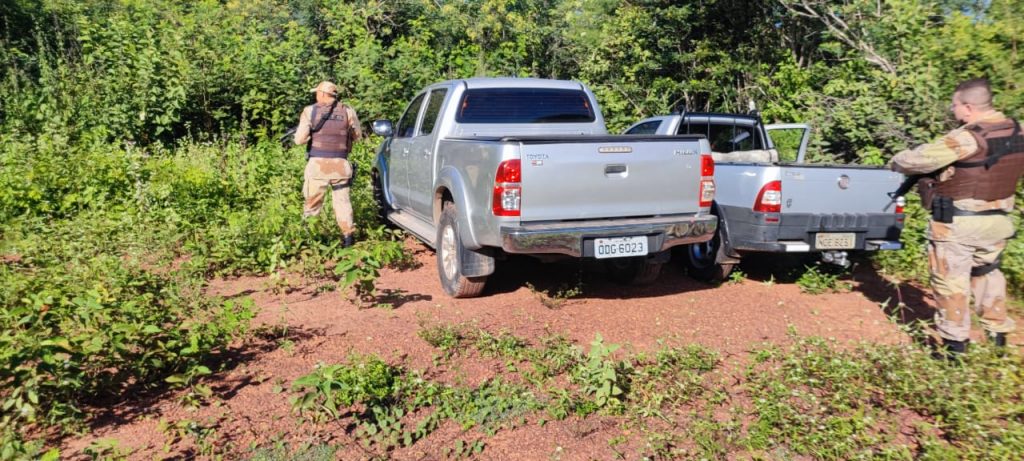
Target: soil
<point x="303" y="325"/>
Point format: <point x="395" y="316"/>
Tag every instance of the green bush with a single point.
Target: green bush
<point x="83" y="320"/>
<point x="829" y="403"/>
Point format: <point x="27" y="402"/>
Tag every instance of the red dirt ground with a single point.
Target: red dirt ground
<point x="250" y="408"/>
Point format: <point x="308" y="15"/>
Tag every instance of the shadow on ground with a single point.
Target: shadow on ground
<point x="138" y="401"/>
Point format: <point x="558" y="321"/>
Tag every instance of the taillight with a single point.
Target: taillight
<point x="900" y="203"/>
<point x="707" y="192"/>
<point x="707" y="165"/>
<point x="707" y="181"/>
<point x="769" y="199"/>
<point x="507" y="191"/>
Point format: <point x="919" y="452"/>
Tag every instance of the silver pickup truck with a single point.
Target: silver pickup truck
<point x="782" y="205"/>
<point x="481" y="167"/>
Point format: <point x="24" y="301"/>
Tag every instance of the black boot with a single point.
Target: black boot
<point x="349" y="241"/>
<point x="951" y="350"/>
<point x="998" y="339"/>
<point x="955" y="347"/>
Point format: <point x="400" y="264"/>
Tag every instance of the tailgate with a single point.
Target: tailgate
<point x="610" y="177"/>
<point x="837" y="189"/>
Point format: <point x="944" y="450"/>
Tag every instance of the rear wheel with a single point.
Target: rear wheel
<point x="704" y="261"/>
<point x="449" y="258"/>
<point x="633" y="271"/>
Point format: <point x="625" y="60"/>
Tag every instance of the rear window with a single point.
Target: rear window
<point x="524" y="105"/>
<point x="724" y="137"/>
<point x="645" y="128"/>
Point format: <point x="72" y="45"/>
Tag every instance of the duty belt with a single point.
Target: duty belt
<point x="959" y="212"/>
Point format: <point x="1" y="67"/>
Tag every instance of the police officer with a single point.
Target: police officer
<point x="328" y="129"/>
<point x="976" y="169"/>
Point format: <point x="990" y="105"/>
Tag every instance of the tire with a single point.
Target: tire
<point x="449" y="258"/>
<point x="703" y="260"/>
<point x="633" y="271"/>
<point x="378" y="197"/>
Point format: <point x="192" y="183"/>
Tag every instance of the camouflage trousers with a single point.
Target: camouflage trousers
<point x="323" y="174"/>
<point x="954" y="249"/>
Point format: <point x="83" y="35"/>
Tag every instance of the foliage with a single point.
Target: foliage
<point x="359" y="266"/>
<point x="821" y="401"/>
<point x="448" y="338"/>
<point x="555" y="298"/>
<point x="81" y="322"/>
<point x="601" y="376"/>
<point x="390" y="395"/>
<point x="136" y="161"/>
<point x="330" y="388"/>
<point x="282" y="452"/>
<point x="823" y="278"/>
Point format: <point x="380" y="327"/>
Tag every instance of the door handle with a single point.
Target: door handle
<point x="426" y="153"/>
<point x="405" y="151"/>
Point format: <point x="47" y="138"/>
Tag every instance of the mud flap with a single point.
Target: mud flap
<point x="476" y="263"/>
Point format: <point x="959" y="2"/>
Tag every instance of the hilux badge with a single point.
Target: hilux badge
<point x="844" y="182"/>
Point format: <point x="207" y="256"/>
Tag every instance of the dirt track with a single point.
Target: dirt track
<point x="251" y="408"/>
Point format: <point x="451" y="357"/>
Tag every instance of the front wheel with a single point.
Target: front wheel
<point x="449" y="258"/>
<point x="378" y="196"/>
<point x="633" y="271"/>
<point x="704" y="261"/>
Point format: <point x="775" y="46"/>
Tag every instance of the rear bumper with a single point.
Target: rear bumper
<point x="576" y="238"/>
<point x="795" y="233"/>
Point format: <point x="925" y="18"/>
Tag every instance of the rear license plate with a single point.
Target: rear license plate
<point x="620" y="247"/>
<point x="836" y="241"/>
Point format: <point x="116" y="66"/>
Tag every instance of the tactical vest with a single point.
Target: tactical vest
<point x="331" y="140"/>
<point x="993" y="171"/>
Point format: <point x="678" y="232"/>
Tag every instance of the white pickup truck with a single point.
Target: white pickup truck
<point x="480" y="167"/>
<point x="768" y="204"/>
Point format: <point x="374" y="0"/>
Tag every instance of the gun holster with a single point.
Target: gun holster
<point x="926" y="189"/>
<point x="942" y="209"/>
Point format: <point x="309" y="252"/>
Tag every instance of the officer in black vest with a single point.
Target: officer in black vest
<point x="328" y="129"/>
<point x="976" y="169"/>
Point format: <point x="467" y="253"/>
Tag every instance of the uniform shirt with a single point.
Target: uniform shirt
<point x="953" y="146"/>
<point x="302" y="133"/>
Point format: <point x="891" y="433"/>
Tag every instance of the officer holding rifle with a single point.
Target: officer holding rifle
<point x="328" y="129"/>
<point x="973" y="173"/>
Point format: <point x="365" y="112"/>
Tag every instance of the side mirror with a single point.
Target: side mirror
<point x="383" y="128"/>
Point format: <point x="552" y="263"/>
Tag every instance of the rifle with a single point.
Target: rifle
<point x="287" y="138"/>
<point x="924" y="181"/>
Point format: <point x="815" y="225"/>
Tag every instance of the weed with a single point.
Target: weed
<point x="556" y="355"/>
<point x="602" y="377"/>
<point x="737" y="276"/>
<point x="821" y="279"/>
<point x="504" y="345"/>
<point x="359" y="266"/>
<point x="674" y="376"/>
<point x="331" y="388"/>
<point x="106" y="449"/>
<point x="282" y="452"/>
<point x="463" y="449"/>
<point x="447" y="338"/>
<point x="557" y="298"/>
<point x="204" y="437"/>
<point x="388" y="395"/>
